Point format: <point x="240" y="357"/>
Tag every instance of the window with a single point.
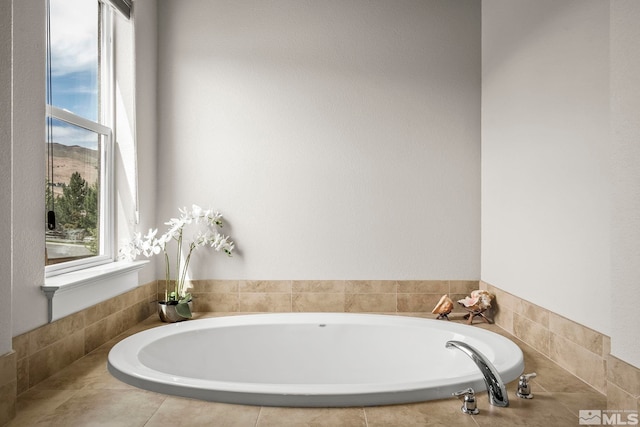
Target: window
<point x="79" y="137"/>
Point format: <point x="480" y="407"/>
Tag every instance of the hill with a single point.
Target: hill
<point x="68" y="159"/>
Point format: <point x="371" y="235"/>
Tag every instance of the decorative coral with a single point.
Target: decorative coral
<point x="477" y="304"/>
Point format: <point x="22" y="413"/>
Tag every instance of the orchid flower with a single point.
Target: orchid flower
<point x="149" y="245"/>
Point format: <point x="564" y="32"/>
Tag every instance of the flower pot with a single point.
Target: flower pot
<point x="167" y="311"/>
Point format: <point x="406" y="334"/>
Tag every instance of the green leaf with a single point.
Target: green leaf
<point x="182" y="308"/>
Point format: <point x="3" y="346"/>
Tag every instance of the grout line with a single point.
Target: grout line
<point x="258" y="417"/>
<point x="366" y="421"/>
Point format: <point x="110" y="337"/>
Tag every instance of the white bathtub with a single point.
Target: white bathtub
<point x="310" y="359"/>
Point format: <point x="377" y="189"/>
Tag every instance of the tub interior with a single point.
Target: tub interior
<point x="311" y="359"/>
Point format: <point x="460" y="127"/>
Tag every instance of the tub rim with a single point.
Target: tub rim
<point x="124" y="365"/>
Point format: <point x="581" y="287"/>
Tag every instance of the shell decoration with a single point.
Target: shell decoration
<point x="444" y="306"/>
<point x="480" y="300"/>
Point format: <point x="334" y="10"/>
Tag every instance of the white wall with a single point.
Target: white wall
<point x="340" y="139"/>
<point x="5" y="172"/>
<point x="28" y="302"/>
<point x="545" y="154"/>
<point x="146" y="61"/>
<point x="625" y="138"/>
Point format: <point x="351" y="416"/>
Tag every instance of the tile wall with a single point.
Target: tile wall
<point x="351" y="296"/>
<point x="43" y="351"/>
<point x="576" y="348"/>
<point x="585" y="353"/>
<point x="8" y="387"/>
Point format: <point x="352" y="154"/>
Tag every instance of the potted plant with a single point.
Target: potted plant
<point x="177" y="300"/>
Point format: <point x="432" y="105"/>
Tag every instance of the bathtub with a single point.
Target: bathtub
<point x="310" y="359"/>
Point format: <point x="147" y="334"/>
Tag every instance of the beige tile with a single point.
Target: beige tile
<point x="423" y="287"/>
<point x="322" y="286"/>
<point x="464" y="287"/>
<point x="574" y="332"/>
<point x="216" y="302"/>
<point x="95" y="335"/>
<point x="89" y="372"/>
<point x="366" y="303"/>
<point x="98" y="312"/>
<point x="118" y="322"/>
<point x="370" y="287"/>
<point x="503" y="317"/>
<point x="116" y="408"/>
<point x="264" y="286"/>
<point x="8" y="397"/>
<point x="35" y="404"/>
<point x="504" y="299"/>
<point x="21" y="345"/>
<point x="533" y="312"/>
<point x="606" y="346"/>
<point x="8" y="367"/>
<point x="587" y="366"/>
<point x="434" y="413"/>
<point x="417" y="302"/>
<point x="215" y="286"/>
<point x="551" y="377"/>
<point x="311" y="417"/>
<point x="624" y="375"/>
<point x="532" y="333"/>
<point x="264" y="302"/>
<point x="618" y="399"/>
<point x="22" y="373"/>
<point x="575" y="402"/>
<point x="52" y="332"/>
<point x="51" y="359"/>
<point x="194" y="413"/>
<point x="319" y="302"/>
<point x="544" y="410"/>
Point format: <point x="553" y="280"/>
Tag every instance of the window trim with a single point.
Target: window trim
<point x="104" y="128"/>
<point x="106" y="194"/>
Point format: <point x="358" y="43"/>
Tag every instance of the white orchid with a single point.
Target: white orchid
<point x="148" y="245"/>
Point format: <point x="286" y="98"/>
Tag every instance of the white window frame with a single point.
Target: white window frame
<point x="105" y="131"/>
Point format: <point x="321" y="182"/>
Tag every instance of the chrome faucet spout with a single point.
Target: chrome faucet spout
<point x="495" y="387"/>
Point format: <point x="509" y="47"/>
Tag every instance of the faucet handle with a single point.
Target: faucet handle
<point x="469" y="403"/>
<point x="524" y="390"/>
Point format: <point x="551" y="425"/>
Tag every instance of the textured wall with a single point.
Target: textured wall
<point x="340" y="139"/>
<point x="545" y="155"/>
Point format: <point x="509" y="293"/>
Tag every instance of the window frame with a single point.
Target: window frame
<point x="105" y="130"/>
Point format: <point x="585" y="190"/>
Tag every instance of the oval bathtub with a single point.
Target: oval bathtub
<point x="310" y="359"/>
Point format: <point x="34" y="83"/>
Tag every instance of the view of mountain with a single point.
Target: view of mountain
<point x="68" y="159"/>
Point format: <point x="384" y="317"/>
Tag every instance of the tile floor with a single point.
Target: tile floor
<point x="85" y="394"/>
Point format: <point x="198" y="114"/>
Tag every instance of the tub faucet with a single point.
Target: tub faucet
<point x="495" y="387"/>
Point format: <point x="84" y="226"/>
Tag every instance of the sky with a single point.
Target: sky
<point x="74" y="66"/>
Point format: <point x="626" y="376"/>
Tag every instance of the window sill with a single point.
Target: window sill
<point x="72" y="292"/>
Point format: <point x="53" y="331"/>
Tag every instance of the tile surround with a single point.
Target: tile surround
<point x="578" y="349"/>
<point x="85" y="393"/>
<point x="41" y="353"/>
<point x="44" y="351"/>
<point x="352" y="296"/>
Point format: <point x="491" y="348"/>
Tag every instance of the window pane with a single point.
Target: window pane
<point x="73" y="192"/>
<point x="74" y="57"/>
